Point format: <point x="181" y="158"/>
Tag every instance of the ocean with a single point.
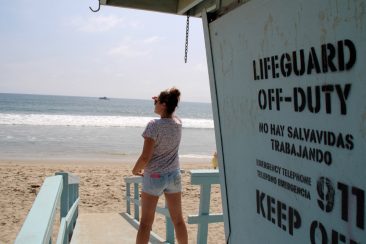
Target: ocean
<point x="43" y="127"/>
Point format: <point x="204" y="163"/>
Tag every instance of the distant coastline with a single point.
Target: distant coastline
<point x="82" y="96"/>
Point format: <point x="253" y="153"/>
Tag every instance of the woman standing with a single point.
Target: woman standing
<point x="159" y="166"/>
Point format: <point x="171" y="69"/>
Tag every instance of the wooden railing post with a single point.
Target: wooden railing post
<point x="204" y="178"/>
<point x="128" y="198"/>
<point x="77" y="209"/>
<point x="70" y="193"/>
<point x="64" y="208"/>
<point x="136" y="201"/>
<point x="169" y="234"/>
<point x="204" y="210"/>
<point x="71" y="200"/>
<point x="73" y="196"/>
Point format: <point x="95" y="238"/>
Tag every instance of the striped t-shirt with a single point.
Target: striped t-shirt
<point x="166" y="132"/>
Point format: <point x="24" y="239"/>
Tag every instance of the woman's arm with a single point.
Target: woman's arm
<point x="145" y="156"/>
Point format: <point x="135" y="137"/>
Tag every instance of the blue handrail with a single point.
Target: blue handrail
<point x="37" y="227"/>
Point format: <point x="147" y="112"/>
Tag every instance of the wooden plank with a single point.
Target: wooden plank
<point x="111" y="228"/>
<point x="204" y="176"/>
<point x="180" y="7"/>
<point x="166" y="6"/>
<point x="133" y="179"/>
<point x="199" y="219"/>
<point x="95" y="228"/>
<point x="154" y="238"/>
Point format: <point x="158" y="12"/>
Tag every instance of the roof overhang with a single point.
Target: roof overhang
<point x="179" y="7"/>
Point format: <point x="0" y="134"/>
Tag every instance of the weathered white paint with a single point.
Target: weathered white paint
<point x="266" y="28"/>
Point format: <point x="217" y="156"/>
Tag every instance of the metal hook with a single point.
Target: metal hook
<point x="97" y="9"/>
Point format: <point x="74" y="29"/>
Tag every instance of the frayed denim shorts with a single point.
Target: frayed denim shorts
<point x="156" y="184"/>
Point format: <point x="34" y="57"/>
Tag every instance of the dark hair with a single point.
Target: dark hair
<point x="171" y="98"/>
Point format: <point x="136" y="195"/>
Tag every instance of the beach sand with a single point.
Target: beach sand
<point x="102" y="189"/>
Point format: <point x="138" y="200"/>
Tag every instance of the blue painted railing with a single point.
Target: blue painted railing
<point x="204" y="178"/>
<point x="136" y="181"/>
<point x="38" y="226"/>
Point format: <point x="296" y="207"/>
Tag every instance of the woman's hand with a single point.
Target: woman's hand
<point x="138" y="172"/>
<point x="145" y="157"/>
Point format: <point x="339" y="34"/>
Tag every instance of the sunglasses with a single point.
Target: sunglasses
<point x="156" y="100"/>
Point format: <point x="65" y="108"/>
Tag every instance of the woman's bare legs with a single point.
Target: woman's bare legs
<point x="174" y="202"/>
<point x="148" y="206"/>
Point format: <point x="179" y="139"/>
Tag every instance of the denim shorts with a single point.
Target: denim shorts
<point x="156" y="184"/>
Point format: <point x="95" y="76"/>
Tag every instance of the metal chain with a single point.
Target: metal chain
<point x="186" y="46"/>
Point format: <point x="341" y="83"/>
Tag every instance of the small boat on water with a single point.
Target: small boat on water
<point x="104" y="98"/>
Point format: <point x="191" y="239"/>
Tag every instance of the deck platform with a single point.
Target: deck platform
<point x="106" y="228"/>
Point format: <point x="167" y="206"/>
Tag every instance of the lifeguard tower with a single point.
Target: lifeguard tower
<point x="287" y="81"/>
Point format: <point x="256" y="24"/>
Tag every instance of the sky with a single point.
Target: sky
<point x="63" y="48"/>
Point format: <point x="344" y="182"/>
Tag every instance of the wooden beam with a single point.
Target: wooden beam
<point x="165" y="6"/>
<point x="185" y="5"/>
<point x="207" y="5"/>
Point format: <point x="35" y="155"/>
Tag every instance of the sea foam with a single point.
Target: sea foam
<point x="95" y="121"/>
